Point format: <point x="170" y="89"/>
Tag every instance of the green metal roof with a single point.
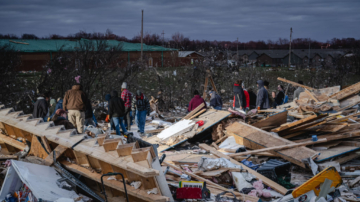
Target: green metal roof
<point x="54" y="45"/>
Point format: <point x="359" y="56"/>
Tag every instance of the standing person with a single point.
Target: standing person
<point x="247" y="97"/>
<point x="215" y="100"/>
<point x="41" y="107"/>
<point x="117" y="112"/>
<point x="108" y="98"/>
<point x="279" y="99"/>
<point x="60" y="118"/>
<point x="299" y="90"/>
<point x="239" y="96"/>
<point x="273" y="95"/>
<point x="252" y="97"/>
<point x="262" y="101"/>
<point x="196" y="101"/>
<point x="140" y="107"/>
<point x="89" y="120"/>
<point x="74" y="102"/>
<point x="52" y="107"/>
<point x="266" y="86"/>
<point x="59" y="105"/>
<point x="126" y="96"/>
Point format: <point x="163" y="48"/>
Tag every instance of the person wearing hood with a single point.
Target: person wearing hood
<point x="41" y="107"/>
<point x="74" y="102"/>
<point x="196" y="101"/>
<point x="140" y="107"/>
<point x="215" y="100"/>
<point x="247" y="97"/>
<point x="117" y="112"/>
<point x="299" y="90"/>
<point x="262" y="101"/>
<point x="60" y="118"/>
<point x="52" y="107"/>
<point x="239" y="96"/>
<point x="126" y="96"/>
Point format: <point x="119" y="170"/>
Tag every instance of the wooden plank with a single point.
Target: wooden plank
<point x="141" y="194"/>
<point x="205" y="85"/>
<point x="335" y="152"/>
<point x="298" y="123"/>
<point x="335" y="136"/>
<point x="254" y="138"/>
<point x="295" y="84"/>
<point x="347" y="158"/>
<point x="81" y="159"/>
<point x="12" y="142"/>
<point x="273" y="120"/>
<point x="282" y="190"/>
<point x="125" y="149"/>
<point x="190" y="114"/>
<point x="6" y="157"/>
<point x="111" y="145"/>
<point x="105" y="167"/>
<point x="59" y="150"/>
<point x="46" y="144"/>
<point x="37" y="149"/>
<point x="311" y="95"/>
<point x="197" y="114"/>
<point x="279" y="148"/>
<point x="246" y="197"/>
<point x="101" y="139"/>
<point x="94" y="163"/>
<point x="344" y="93"/>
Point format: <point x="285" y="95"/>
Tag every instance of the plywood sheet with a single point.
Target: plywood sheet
<point x="273" y="120"/>
<point x="334" y="152"/>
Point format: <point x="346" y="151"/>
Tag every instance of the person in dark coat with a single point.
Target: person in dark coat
<point x="262" y="100"/>
<point x="279" y="99"/>
<point x="108" y="98"/>
<point x="89" y="114"/>
<point x="117" y="112"/>
<point x="60" y="118"/>
<point x="196" y="101"/>
<point x="140" y="107"/>
<point x="252" y="97"/>
<point x="215" y="100"/>
<point x="41" y="107"/>
<point x="239" y="96"/>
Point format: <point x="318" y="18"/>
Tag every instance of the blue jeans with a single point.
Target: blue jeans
<point x="140" y="120"/>
<point x="218" y="108"/>
<point x="119" y="122"/>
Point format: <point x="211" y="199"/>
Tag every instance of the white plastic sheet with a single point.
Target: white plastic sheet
<point x="40" y="179"/>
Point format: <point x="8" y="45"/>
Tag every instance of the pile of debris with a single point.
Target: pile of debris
<point x="305" y="150"/>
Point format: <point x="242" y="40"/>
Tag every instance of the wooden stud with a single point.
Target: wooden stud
<point x="125" y="149"/>
<point x="105" y="167"/>
<point x="59" y="150"/>
<point x="37" y="149"/>
<point x="46" y="144"/>
<point x="81" y="159"/>
<point x="101" y="139"/>
<point x="110" y="145"/>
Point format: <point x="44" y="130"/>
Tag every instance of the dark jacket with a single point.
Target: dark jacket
<point x="63" y="121"/>
<point x="279" y="99"/>
<point x="240" y="99"/>
<point x="195" y="102"/>
<point x="59" y="105"/>
<point x="74" y="99"/>
<point x="252" y="96"/>
<point x="116" y="106"/>
<point x="140" y="103"/>
<point x="40" y="108"/>
<point x="262" y="96"/>
<point x="215" y="100"/>
<point x="88" y="111"/>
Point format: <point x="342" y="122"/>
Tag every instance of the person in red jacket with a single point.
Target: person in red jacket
<point x="196" y="101"/>
<point x="247" y="97"/>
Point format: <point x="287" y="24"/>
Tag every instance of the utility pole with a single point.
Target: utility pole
<point x="237" y="49"/>
<point x="290" y="48"/>
<point x="163" y="37"/>
<point x="142" y="21"/>
<point x="309" y="54"/>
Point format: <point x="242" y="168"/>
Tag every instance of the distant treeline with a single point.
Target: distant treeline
<point x="180" y="42"/>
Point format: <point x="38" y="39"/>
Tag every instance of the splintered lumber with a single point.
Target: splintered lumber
<point x="197" y="114"/>
<point x="291" y="125"/>
<point x="142" y="194"/>
<point x="12" y="142"/>
<point x="282" y="190"/>
<point x="311" y="95"/>
<point x="278" y="148"/>
<point x="294" y="83"/>
<point x="273" y="120"/>
<point x="344" y="93"/>
<point x="254" y="138"/>
<point x="190" y="114"/>
<point x="59" y="150"/>
<point x="246" y="197"/>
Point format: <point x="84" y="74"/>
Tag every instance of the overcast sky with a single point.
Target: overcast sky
<point x="197" y="19"/>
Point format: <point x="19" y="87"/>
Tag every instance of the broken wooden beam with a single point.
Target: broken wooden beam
<point x="346" y="92"/>
<point x="279" y="148"/>
<point x="59" y="150"/>
<point x="295" y="84"/>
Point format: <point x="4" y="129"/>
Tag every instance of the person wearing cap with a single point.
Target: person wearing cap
<point x="41" y="107"/>
<point x="196" y="101"/>
<point x="117" y="112"/>
<point x="140" y="107"/>
<point x="60" y="118"/>
<point x="215" y="100"/>
<point x="74" y="102"/>
<point x="126" y="97"/>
